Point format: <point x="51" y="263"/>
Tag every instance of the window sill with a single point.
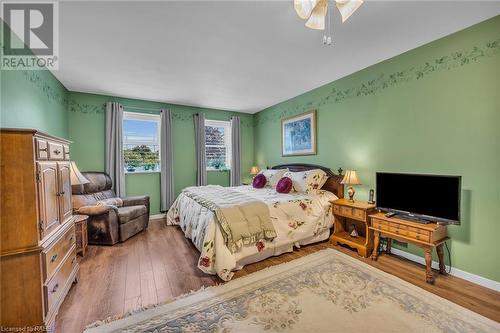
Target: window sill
<point x="140" y="172"/>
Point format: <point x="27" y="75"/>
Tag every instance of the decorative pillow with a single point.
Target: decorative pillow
<point x="259" y="181"/>
<point x="307" y="181"/>
<point x="273" y="176"/>
<point x="284" y="185"/>
<point x="117" y="202"/>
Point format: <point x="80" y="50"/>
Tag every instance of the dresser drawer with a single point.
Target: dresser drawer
<point x="56" y="151"/>
<point x="54" y="288"/>
<point x="66" y="152"/>
<point x="42" y="150"/>
<point x="55" y="253"/>
<point x="358" y="214"/>
<point x="422" y="236"/>
<point x="346" y="211"/>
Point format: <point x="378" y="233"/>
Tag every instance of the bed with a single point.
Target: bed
<point x="298" y="219"/>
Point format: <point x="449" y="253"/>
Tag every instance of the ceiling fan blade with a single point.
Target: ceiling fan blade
<point x="347" y="7"/>
<point x="318" y="15"/>
<point x="304" y="8"/>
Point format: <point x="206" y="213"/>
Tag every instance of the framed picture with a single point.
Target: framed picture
<point x="298" y="135"/>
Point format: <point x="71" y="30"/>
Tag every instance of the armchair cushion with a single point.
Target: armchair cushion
<point x="93" y="210"/>
<point x="129" y="213"/>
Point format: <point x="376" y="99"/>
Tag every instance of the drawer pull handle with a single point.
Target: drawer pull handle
<point x="55" y="288"/>
<point x="71" y="238"/>
<point x="43" y="149"/>
<point x="57" y="151"/>
<point x="54" y="257"/>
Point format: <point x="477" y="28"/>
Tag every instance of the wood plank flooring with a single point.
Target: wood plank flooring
<point x="160" y="263"/>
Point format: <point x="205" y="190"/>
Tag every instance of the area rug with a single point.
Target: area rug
<point x="327" y="291"/>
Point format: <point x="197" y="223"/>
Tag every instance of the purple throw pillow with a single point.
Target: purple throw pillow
<point x="259" y="181"/>
<point x="284" y="185"/>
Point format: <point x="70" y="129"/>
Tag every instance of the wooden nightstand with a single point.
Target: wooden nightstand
<point x="427" y="236"/>
<point x="81" y="234"/>
<point x="348" y="215"/>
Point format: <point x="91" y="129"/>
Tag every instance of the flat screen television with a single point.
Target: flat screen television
<point x="422" y="198"/>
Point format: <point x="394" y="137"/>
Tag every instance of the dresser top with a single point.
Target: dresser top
<point x="33" y="132"/>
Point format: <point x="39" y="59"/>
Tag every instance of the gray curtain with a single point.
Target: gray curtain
<point x="236" y="152"/>
<point x="167" y="161"/>
<point x="114" y="147"/>
<point x="201" y="163"/>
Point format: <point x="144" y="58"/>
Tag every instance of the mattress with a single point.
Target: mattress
<point x="298" y="218"/>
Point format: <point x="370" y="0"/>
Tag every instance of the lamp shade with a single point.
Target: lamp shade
<point x="76" y="176"/>
<point x="254" y="170"/>
<point x="350" y="178"/>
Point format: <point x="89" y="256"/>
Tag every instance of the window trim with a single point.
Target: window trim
<point x="138" y="116"/>
<point x="227" y="141"/>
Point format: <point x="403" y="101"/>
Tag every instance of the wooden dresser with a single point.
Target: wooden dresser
<point x="37" y="252"/>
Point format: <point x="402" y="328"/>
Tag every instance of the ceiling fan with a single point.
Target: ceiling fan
<point x="316" y="11"/>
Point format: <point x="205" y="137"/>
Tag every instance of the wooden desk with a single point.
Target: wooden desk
<point x="353" y="214"/>
<point x="426" y="236"/>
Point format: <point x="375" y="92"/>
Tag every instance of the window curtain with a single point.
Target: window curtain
<point x="201" y="163"/>
<point x="167" y="160"/>
<point x="114" y="147"/>
<point x="236" y="152"/>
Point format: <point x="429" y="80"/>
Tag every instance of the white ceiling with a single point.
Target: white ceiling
<point x="235" y="55"/>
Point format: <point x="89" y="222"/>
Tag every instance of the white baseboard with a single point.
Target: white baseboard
<point x="482" y="281"/>
<point x="157" y="216"/>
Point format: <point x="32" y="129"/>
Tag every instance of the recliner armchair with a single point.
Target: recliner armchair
<point x="108" y="224"/>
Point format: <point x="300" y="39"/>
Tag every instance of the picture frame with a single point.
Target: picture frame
<point x="298" y="134"/>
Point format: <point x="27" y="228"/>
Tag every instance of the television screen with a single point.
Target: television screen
<point x="431" y="197"/>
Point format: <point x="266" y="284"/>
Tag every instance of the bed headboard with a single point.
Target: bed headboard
<point x="332" y="184"/>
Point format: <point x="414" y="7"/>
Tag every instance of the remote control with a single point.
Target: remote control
<point x="390" y="214"/>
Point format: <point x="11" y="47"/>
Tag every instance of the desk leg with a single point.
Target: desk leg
<point x="429" y="277"/>
<point x="389" y="245"/>
<point x="442" y="267"/>
<point x="376" y="236"/>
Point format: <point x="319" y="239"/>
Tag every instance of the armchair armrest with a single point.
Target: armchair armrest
<point x="136" y="201"/>
<point x="94" y="210"/>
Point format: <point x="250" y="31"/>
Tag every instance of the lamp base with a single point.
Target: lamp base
<point x="351" y="191"/>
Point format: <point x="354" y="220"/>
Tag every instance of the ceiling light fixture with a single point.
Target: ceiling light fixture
<point x="316" y="11"/>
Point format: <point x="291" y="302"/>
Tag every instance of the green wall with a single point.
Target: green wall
<point x="435" y="109"/>
<point x="33" y="99"/>
<point x="86" y="129"/>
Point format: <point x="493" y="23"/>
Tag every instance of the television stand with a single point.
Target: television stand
<point x="426" y="236"/>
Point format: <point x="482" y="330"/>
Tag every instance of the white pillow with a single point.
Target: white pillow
<point x="307" y="181"/>
<point x="273" y="176"/>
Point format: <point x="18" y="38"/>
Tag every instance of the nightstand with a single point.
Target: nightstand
<point x="349" y="215"/>
<point x="81" y="234"/>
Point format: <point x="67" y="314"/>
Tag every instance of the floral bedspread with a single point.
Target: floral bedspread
<point x="295" y="217"/>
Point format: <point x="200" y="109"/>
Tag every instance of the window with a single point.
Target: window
<point x="218" y="144"/>
<point x="141" y="142"/>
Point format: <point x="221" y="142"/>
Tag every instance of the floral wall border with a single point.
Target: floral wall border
<point x="384" y="81"/>
<point x="47" y="89"/>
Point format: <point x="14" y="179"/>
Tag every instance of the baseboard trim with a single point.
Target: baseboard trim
<point x="157" y="216"/>
<point x="482" y="281"/>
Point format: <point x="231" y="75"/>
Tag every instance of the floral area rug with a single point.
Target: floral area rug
<point x="327" y="291"/>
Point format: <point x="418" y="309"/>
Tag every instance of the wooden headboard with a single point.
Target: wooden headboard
<point x="332" y="184"/>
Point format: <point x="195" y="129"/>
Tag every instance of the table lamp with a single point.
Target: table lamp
<point x="351" y="178"/>
<point x="76" y="176"/>
<point x="254" y="170"/>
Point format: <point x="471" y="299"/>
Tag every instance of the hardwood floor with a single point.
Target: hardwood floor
<point x="160" y="263"/>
